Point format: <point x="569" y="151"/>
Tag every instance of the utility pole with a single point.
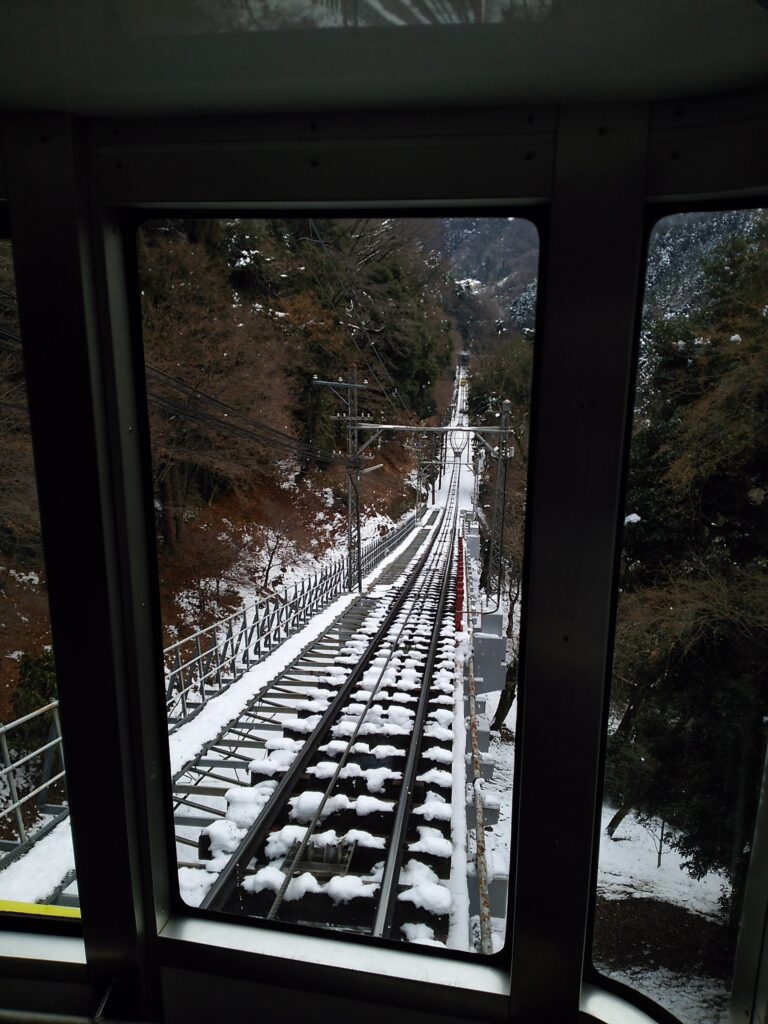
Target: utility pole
<point x="499" y="502"/>
<point x="353" y="488"/>
<point x="440" y="457"/>
<point x="415" y="448"/>
<point x="476" y="463"/>
<point x="434" y="464"/>
<point x="347" y="391"/>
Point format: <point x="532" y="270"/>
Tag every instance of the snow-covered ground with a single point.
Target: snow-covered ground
<point x="33" y="877"/>
<point x="693" y="1000"/>
<point x="270" y="559"/>
<point x="628" y="868"/>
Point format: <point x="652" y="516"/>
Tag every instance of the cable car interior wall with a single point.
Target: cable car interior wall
<point x="590" y="119"/>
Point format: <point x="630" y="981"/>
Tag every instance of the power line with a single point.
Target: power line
<point x="15" y="408"/>
<point x="12" y="340"/>
<point x="229" y="410"/>
<point x="332" y="266"/>
<point x="259" y="431"/>
<point x="198" y="415"/>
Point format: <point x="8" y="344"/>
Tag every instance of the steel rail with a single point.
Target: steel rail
<point x="231" y="875"/>
<point x="388" y="892"/>
<point x="427" y="583"/>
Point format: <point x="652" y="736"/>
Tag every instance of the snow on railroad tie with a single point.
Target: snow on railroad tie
<point x="279" y="751"/>
<point x="280" y="842"/>
<point x="436" y="777"/>
<point x="435" y="808"/>
<point x="224" y="838"/>
<point x="430" y="896"/>
<point x="431" y="841"/>
<point x="442" y="717"/>
<point x="245" y="803"/>
<point x="420" y="934"/>
<point x="306" y="805"/>
<point x="340" y="889"/>
<point x="381" y="751"/>
<point x="438" y="754"/>
<point x="437" y="732"/>
<point x="374" y="778"/>
<point x="443" y="699"/>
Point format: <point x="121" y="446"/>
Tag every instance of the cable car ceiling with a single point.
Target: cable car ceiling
<point x="143" y="58"/>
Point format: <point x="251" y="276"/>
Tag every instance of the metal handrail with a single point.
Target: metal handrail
<point x="206" y="662"/>
<point x="197" y="667"/>
<point x="28" y="718"/>
<point x="10" y="773"/>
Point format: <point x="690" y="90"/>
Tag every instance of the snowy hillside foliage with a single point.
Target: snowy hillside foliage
<point x="678" y="246"/>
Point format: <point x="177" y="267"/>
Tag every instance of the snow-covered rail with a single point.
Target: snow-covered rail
<point x="345" y="817"/>
<point x="202" y="665"/>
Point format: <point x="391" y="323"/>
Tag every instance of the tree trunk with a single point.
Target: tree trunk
<point x="486" y="568"/>
<point x="507" y="697"/>
<point x="169" y="525"/>
<point x="178" y="513"/>
<point x="624" y="728"/>
<point x="617" y="819"/>
<point x="271" y="552"/>
<point x="514" y="595"/>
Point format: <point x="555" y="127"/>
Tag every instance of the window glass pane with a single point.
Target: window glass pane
<point x="686" y="739"/>
<point x="329" y="767"/>
<point x="37" y="872"/>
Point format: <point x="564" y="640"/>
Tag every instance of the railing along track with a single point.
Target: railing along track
<point x="202" y="665"/>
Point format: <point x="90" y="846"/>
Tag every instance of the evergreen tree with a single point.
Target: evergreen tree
<point x="690" y="694"/>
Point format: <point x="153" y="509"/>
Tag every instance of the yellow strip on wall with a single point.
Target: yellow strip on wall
<point x="12" y="907"/>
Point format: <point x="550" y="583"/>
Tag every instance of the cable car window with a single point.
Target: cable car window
<point x="37" y="869"/>
<point x="339" y="421"/>
<point x="686" y="732"/>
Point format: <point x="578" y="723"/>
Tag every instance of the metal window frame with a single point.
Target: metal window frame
<point x="69" y="185"/>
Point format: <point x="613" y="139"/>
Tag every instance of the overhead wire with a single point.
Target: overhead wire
<point x="11" y="339"/>
<point x="363" y="327"/>
<point x="198" y="415"/>
<point x="262" y="432"/>
<point x="230" y="411"/>
<point x="333" y="266"/>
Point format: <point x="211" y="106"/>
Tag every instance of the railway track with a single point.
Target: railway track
<point x="327" y="802"/>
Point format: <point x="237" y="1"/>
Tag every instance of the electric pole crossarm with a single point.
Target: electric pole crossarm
<point x="341" y="383"/>
<point x="373" y="438"/>
<point x="403" y="428"/>
<point x="491" y="451"/>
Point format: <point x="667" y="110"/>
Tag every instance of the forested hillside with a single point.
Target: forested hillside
<point x="495" y="261"/>
<point x="240" y="317"/>
<point x="690" y="697"/>
<point x="24" y="627"/>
